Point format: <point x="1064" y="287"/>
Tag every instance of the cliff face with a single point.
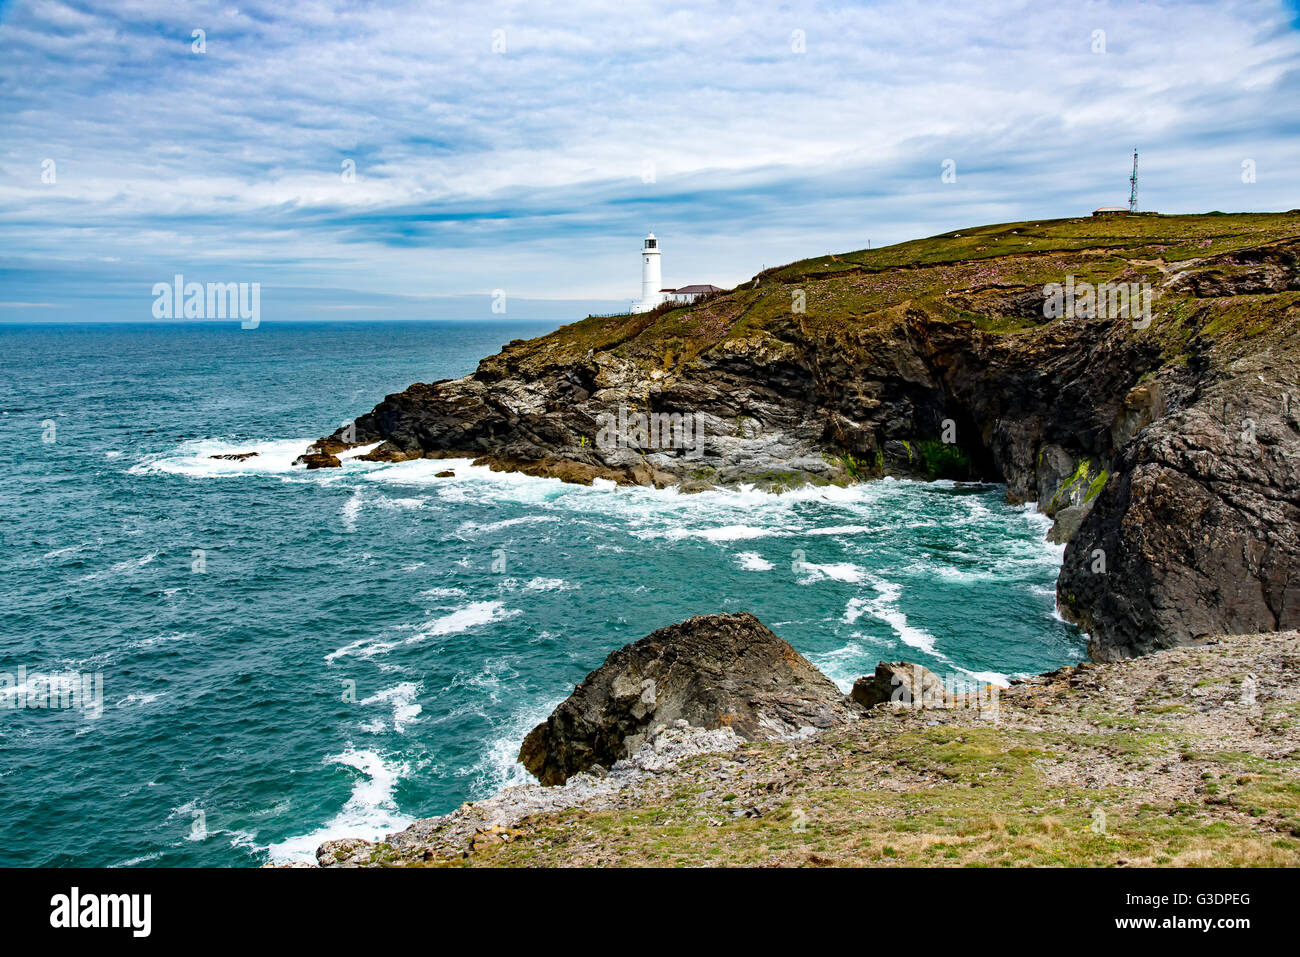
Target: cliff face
<point x="1166" y="445"/>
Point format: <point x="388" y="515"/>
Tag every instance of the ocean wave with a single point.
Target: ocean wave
<point x="194" y="458"/>
<point x="124" y="567"/>
<point x="499" y="766"/>
<point x="371" y="811"/>
<point x="475" y="529"/>
<point x="844" y="665"/>
<point x="401" y="699"/>
<point x="134" y="699"/>
<point x="474" y="615"/>
<point x="837" y="571"/>
<point x="351" y="509"/>
<point x="725" y="533"/>
<point x="884" y="607"/>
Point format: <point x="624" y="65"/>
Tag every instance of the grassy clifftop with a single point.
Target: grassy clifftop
<point x="991" y="276"/>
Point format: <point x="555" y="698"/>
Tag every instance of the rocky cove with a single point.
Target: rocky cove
<point x="1167" y="453"/>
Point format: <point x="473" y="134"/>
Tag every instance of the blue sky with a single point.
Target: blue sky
<point x="528" y="147"/>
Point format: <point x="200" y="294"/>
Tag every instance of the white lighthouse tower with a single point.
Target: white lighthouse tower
<point x="651" y="276"/>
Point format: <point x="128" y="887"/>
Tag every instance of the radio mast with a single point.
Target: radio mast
<point x="1133" y="185"/>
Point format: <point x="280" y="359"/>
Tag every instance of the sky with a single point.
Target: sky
<point x="424" y="160"/>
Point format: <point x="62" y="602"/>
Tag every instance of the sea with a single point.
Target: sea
<point x="287" y="656"/>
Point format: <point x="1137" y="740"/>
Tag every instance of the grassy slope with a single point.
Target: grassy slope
<point x="934" y="273"/>
<point x="1185" y="772"/>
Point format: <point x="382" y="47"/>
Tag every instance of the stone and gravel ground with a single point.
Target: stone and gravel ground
<point x="1189" y="757"/>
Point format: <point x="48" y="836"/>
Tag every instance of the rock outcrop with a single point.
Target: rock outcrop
<point x="713" y="671"/>
<point x="318" y="460"/>
<point x="904" y="683"/>
<point x="1163" y="446"/>
<point x="235" y="456"/>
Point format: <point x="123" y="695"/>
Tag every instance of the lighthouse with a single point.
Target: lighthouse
<point x="653" y="294"/>
<point x="651" y="276"/>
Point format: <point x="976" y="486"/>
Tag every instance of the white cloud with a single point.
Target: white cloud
<point x="472" y="164"/>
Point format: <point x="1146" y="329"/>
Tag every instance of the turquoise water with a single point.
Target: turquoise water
<point x="288" y="656"/>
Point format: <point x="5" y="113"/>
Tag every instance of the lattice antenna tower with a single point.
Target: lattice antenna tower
<point x="1133" y="185"/>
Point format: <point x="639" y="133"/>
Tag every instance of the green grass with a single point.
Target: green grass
<point x="992" y="805"/>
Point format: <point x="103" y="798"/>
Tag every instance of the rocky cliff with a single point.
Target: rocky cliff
<point x="1164" y="441"/>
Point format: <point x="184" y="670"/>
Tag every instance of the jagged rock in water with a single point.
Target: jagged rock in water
<point x="318" y="460"/>
<point x="711" y="671"/>
<point x="234" y="456"/>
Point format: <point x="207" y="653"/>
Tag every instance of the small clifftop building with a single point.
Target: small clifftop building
<point x="653" y="294"/>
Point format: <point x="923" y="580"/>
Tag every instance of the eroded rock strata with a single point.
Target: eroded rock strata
<point x="1166" y="446"/>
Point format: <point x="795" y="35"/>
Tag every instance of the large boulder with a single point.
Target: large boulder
<point x="909" y="685"/>
<point x="712" y="671"/>
<point x="318" y="460"/>
<point x="902" y="682"/>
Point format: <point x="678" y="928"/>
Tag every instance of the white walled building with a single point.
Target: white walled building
<point x="653" y="294"/>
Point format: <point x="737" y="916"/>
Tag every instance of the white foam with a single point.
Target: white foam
<point x="354" y="453"/>
<point x="473" y="615"/>
<point x="194" y="458"/>
<point x="132" y="699"/>
<point x="549" y="584"/>
<point x="499" y="767"/>
<point x="726" y="533"/>
<point x="885" y="607"/>
<point x="474" y="529"/>
<point x="443" y="592"/>
<point x="371" y="811"/>
<point x="117" y="569"/>
<point x="159" y="639"/>
<point x="63" y="551"/>
<point x="838" y="571"/>
<point x="401" y="698"/>
<point x="987" y="677"/>
<point x="753" y="562"/>
<point x="845" y="665"/>
<point x="351" y="509"/>
<point x="400" y="504"/>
